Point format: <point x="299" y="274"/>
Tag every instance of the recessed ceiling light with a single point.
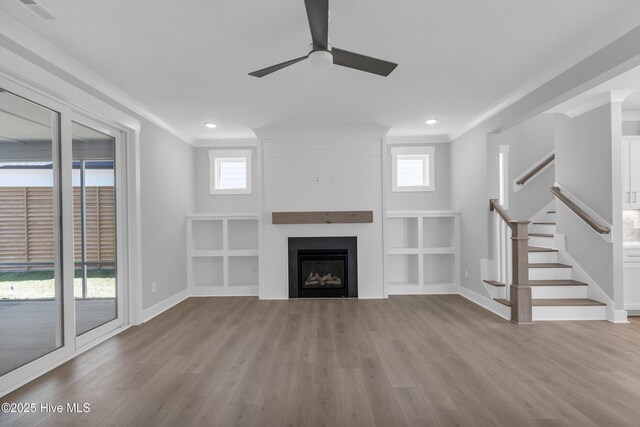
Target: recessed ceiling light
<point x="210" y="125"/>
<point x="431" y="121"/>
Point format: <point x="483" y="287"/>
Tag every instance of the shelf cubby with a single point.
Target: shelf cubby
<point x="422" y="251"/>
<point x="223" y="253"/>
<point x="207" y="234"/>
<point x="438" y="232"/>
<point x="403" y="269"/>
<point x="208" y="271"/>
<point x="243" y="271"/>
<point x="438" y="269"/>
<point x="243" y="234"/>
<point x="402" y="233"/>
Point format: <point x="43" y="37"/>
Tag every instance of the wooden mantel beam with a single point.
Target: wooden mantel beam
<point x="322" y="217"/>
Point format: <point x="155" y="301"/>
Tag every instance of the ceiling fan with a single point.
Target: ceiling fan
<point x="323" y="54"/>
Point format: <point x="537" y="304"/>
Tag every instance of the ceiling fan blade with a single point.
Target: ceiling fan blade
<point x="318" y="14"/>
<point x="362" y="62"/>
<point x="274" y="68"/>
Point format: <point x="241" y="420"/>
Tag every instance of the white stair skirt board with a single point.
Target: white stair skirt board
<point x="549" y="273"/>
<point x="542" y="313"/>
<point x="559" y="292"/>
<point x="486" y="303"/>
<point x="495" y="292"/>
<point x="542" y="257"/>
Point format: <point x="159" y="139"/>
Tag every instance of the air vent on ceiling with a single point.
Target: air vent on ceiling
<point x="38" y="9"/>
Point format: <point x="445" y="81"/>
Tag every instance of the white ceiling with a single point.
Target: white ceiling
<point x="187" y="61"/>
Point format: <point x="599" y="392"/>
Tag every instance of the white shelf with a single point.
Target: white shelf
<point x="423" y="251"/>
<point x="200" y="253"/>
<point x="404" y="251"/>
<point x="223" y="254"/>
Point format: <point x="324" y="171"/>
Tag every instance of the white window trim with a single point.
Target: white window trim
<point x="427" y="152"/>
<point x="214" y="155"/>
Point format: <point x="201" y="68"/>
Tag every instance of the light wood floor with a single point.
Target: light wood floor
<point x="419" y="360"/>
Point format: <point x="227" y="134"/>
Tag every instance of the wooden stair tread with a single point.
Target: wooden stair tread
<point x="556" y="283"/>
<point x="551" y="211"/>
<point x="541" y="249"/>
<point x="565" y="302"/>
<point x="540" y="234"/>
<point x="548" y="265"/>
<point x="494" y="283"/>
<point x="544" y="222"/>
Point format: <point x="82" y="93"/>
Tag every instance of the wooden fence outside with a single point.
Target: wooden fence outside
<point x="26" y="225"/>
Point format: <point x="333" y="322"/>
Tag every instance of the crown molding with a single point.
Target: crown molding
<point x="620" y="95"/>
<point x="32" y="48"/>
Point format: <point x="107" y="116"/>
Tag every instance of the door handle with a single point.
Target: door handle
<point x="634" y="197"/>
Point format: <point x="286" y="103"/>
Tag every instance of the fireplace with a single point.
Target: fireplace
<point x="323" y="267"/>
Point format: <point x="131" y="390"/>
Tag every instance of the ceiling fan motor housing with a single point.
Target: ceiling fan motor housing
<point x="320" y="58"/>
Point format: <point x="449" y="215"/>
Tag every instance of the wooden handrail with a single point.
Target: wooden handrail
<point x="494" y="205"/>
<point x="580" y="212"/>
<point x="537" y="169"/>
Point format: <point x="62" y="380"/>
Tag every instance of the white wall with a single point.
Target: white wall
<point x="223" y="203"/>
<point x="428" y="200"/>
<point x="528" y="143"/>
<point x="331" y="173"/>
<point x="584" y="167"/>
<point x="166" y="187"/>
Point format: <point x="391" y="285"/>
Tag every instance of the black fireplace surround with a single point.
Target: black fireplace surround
<point x="323" y="267"/>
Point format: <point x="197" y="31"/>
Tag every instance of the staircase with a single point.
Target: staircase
<point x="555" y="295"/>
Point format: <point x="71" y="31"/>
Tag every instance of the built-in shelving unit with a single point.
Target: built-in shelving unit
<point x="422" y="252"/>
<point x="222" y="254"/>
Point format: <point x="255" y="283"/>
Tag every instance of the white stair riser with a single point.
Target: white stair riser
<point x="569" y="313"/>
<point x="540" y="257"/>
<point x="545" y="242"/>
<point x="542" y="228"/>
<point x="554" y="292"/>
<point x="551" y="217"/>
<point x="549" y="273"/>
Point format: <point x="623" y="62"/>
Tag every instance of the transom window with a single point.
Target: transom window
<point x="412" y="168"/>
<point x="230" y="171"/>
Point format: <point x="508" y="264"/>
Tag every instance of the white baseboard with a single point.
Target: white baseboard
<point x="486" y="303"/>
<point x="435" y="289"/>
<point x="220" y="291"/>
<point x="164" y="305"/>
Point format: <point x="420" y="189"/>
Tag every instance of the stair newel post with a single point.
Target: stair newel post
<point x="521" y="312"/>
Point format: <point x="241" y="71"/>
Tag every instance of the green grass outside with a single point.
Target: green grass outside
<point x="40" y="284"/>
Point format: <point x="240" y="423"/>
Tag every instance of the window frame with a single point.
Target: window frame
<point x="215" y="157"/>
<point x="427" y="154"/>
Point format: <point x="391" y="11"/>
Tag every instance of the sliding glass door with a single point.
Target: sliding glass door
<point x="94" y="228"/>
<point x="30" y="275"/>
<point x="61" y="281"/>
